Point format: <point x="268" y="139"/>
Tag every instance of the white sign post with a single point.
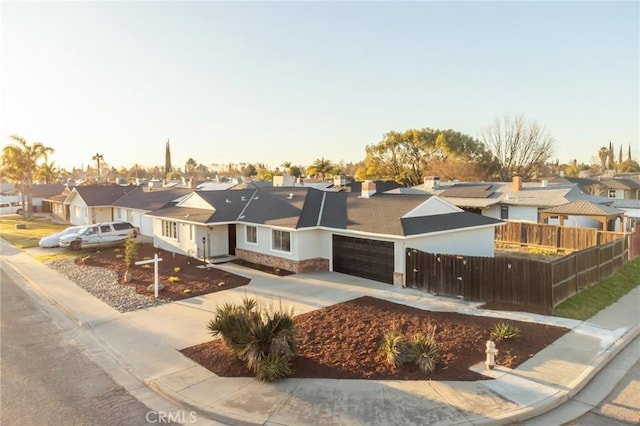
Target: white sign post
<point x="155" y="261"/>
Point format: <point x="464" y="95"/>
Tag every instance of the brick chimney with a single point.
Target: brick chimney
<point x="516" y="183"/>
<point x="368" y="188"/>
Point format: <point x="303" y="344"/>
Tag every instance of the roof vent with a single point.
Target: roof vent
<point x="290" y="195"/>
<point x="243" y="198"/>
<point x="368" y="189"/>
<point x="227" y="200"/>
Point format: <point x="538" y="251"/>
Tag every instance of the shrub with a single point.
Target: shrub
<point x="130" y="252"/>
<point x="274" y="367"/>
<point x="503" y="331"/>
<point x="392" y="348"/>
<point x="173" y="279"/>
<point x="424" y="352"/>
<point x="266" y="341"/>
<point x="176" y="269"/>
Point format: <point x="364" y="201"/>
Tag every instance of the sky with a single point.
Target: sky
<point x="269" y="82"/>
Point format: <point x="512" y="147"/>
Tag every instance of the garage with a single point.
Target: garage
<point x="364" y="258"/>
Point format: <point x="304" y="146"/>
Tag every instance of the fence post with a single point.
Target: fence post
<point x="576" y="273"/>
<point x="598" y="249"/>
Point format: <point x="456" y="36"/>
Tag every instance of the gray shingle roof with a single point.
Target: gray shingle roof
<point x="149" y="200"/>
<point x="95" y="195"/>
<point x="619" y="183"/>
<point x="299" y="208"/>
<point x="277" y="206"/>
<point x="47" y="189"/>
<point x="380" y="213"/>
<point x="445" y="222"/>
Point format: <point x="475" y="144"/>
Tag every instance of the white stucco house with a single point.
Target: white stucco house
<point x="86" y="205"/>
<point x="134" y="205"/>
<point x="308" y="229"/>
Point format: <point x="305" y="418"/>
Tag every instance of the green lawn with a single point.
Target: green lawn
<point x="593" y="299"/>
<point x="36" y="228"/>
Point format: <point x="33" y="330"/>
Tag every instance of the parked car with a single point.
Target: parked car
<point x="99" y="235"/>
<point x="13" y="207"/>
<point x="53" y="240"/>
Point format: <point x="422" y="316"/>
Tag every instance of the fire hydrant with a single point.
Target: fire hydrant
<point x="491" y="352"/>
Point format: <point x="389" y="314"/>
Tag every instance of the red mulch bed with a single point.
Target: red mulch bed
<point x="339" y="341"/>
<point x="196" y="280"/>
<point x="342" y="342"/>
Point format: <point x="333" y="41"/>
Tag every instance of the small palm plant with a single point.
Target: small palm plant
<point x="503" y="331"/>
<point x="392" y="347"/>
<point x="424" y="352"/>
<point x="265" y="340"/>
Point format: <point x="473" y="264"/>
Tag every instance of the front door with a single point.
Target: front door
<point x="232" y="239"/>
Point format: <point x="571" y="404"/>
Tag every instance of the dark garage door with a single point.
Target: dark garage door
<point x="363" y="258"/>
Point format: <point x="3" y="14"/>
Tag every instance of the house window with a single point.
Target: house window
<point x="192" y="232"/>
<point x="252" y="234"/>
<point x="129" y="215"/>
<point x="281" y="240"/>
<point x="612" y="193"/>
<point x="76" y="211"/>
<point x="504" y="212"/>
<point x="169" y="229"/>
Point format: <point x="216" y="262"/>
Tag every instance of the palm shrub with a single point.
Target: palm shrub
<point x="392" y="347"/>
<point x="266" y="341"/>
<point x="423" y="351"/>
<point x="503" y="331"/>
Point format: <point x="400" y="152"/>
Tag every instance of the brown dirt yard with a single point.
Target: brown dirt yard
<point x="343" y="340"/>
<point x="191" y="280"/>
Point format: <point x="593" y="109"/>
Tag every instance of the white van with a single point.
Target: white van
<point x="11" y="207"/>
<point x="99" y="235"/>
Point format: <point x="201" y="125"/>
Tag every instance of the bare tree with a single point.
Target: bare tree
<point x="518" y="146"/>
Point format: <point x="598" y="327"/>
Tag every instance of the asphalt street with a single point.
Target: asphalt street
<point x="47" y="378"/>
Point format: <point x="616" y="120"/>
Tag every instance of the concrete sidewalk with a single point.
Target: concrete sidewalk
<point x="145" y="343"/>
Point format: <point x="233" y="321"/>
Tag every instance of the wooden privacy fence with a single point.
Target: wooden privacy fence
<point x="554" y="236"/>
<point x="513" y="280"/>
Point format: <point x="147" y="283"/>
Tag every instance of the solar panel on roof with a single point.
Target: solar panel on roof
<point x="468" y="191"/>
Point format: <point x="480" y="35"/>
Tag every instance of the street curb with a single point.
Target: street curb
<point x="588" y="374"/>
<point x="173" y="396"/>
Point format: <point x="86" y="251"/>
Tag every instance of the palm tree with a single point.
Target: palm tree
<point x="190" y="167"/>
<point x="603" y="154"/>
<point x="47" y="173"/>
<point x="322" y="167"/>
<point x="20" y="163"/>
<point x="98" y="158"/>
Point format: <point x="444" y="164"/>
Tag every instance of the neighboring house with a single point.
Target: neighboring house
<point x="93" y="204"/>
<point x="133" y="206"/>
<point x="43" y="191"/>
<point x="308" y="229"/>
<point x="39" y="193"/>
<point x="517" y="200"/>
<point x="631" y="209"/>
<point x="627" y="188"/>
